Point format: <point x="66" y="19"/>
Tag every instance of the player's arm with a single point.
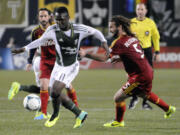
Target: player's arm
<point x="155" y="39"/>
<point x="115" y="59"/>
<point x="17" y="51"/>
<point x="31" y="53"/>
<point x="100" y="57"/>
<point x="34" y="44"/>
<point x="97" y="34"/>
<point x="101" y="37"/>
<point x="97" y="57"/>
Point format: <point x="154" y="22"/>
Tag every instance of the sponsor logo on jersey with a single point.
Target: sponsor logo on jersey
<point x="147" y="33"/>
<point x="49" y="42"/>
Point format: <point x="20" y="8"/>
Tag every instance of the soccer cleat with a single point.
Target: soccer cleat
<point x="13" y="90"/>
<point x="114" y="123"/>
<point x="40" y="116"/>
<point x="171" y="110"/>
<point x="146" y="106"/>
<point x="50" y="123"/>
<point x="133" y="102"/>
<point x="80" y="119"/>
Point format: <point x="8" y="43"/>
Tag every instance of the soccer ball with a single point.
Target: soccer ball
<point x="32" y="102"/>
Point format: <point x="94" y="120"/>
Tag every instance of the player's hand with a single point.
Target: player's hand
<point x="28" y="67"/>
<point x="156" y="57"/>
<point x="17" y="51"/>
<point x="82" y="53"/>
<point x="105" y="46"/>
<point x="115" y="59"/>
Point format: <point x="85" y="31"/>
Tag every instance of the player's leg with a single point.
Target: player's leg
<point x="45" y="69"/>
<point x="61" y="77"/>
<point x="55" y="93"/>
<point x="44" y="95"/>
<point x="153" y="98"/>
<point x="16" y="87"/>
<point x="71" y="92"/>
<point x="120" y="108"/>
<point x="57" y="98"/>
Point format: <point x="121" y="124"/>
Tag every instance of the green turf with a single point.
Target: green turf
<point x="95" y="90"/>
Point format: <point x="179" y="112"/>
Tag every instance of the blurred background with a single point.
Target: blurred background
<point x="19" y="17"/>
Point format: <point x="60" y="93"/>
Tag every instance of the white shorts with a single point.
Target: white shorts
<point x="64" y="74"/>
<point x="36" y="68"/>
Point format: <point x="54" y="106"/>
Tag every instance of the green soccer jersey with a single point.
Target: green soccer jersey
<point x="67" y="43"/>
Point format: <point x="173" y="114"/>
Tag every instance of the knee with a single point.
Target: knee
<point x="54" y="94"/>
<point x="116" y="98"/>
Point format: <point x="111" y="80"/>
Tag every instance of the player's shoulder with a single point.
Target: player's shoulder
<point x="81" y="27"/>
<point x="36" y="28"/>
<point x="51" y="27"/>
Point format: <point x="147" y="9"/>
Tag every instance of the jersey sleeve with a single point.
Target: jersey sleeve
<point x="48" y="34"/>
<point x="32" y="51"/>
<point x="155" y="37"/>
<point x="116" y="49"/>
<point x="93" y="32"/>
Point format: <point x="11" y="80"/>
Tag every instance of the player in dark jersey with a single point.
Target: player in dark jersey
<point x="126" y="48"/>
<point x="48" y="57"/>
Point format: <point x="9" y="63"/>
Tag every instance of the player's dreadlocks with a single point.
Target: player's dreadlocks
<point x="125" y="22"/>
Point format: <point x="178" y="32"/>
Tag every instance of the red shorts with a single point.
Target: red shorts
<point x="46" y="68"/>
<point x="138" y="84"/>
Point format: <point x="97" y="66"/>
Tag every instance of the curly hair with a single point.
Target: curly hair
<point x="124" y="22"/>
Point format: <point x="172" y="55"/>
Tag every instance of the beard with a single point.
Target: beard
<point x="115" y="35"/>
<point x="43" y="23"/>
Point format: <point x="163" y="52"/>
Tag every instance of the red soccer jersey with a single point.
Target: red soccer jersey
<point x="132" y="56"/>
<point x="48" y="49"/>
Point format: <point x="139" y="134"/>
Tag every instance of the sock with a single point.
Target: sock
<point x="30" y="88"/>
<point x="158" y="101"/>
<point x="44" y="100"/>
<point x="72" y="95"/>
<point x="68" y="104"/>
<point x="120" y="110"/>
<point x="56" y="106"/>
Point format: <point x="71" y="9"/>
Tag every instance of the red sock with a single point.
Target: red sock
<point x="44" y="100"/>
<point x="158" y="101"/>
<point x="120" y="110"/>
<point x="72" y="95"/>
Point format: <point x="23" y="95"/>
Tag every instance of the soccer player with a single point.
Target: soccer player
<point x="67" y="37"/>
<point x="126" y="48"/>
<point x="146" y="31"/>
<point x="47" y="60"/>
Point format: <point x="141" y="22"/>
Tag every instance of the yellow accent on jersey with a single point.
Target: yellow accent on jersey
<point x="130" y="88"/>
<point x="146" y="31"/>
<point x="114" y="41"/>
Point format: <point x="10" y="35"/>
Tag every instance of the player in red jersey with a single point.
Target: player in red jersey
<point x="126" y="48"/>
<point x="48" y="57"/>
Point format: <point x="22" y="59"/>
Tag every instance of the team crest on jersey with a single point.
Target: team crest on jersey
<point x="147" y="33"/>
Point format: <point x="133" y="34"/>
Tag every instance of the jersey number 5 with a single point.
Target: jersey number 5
<point x="138" y="50"/>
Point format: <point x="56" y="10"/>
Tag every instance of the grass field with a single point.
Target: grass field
<point x="95" y="90"/>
